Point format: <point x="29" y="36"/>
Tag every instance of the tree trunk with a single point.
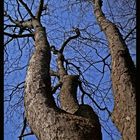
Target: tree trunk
<point x="46" y="120"/>
<point x="123" y="76"/>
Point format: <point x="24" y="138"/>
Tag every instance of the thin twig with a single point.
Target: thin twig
<point x="23" y="129"/>
<point x="129" y="33"/>
<point x="18" y="35"/>
<point x="84" y="92"/>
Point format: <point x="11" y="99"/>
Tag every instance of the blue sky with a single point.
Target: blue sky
<point x="82" y="52"/>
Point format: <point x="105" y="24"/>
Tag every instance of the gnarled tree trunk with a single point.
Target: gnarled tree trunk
<point x="123" y="76"/>
<point x="46" y="120"/>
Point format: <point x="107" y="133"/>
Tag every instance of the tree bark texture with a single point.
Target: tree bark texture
<point x="68" y="94"/>
<point x="123" y="76"/>
<point x="47" y="121"/>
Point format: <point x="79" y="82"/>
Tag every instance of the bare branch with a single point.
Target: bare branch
<point x="84" y="92"/>
<point x="27" y="8"/>
<point x="8" y="26"/>
<point x="18" y="9"/>
<point x="10" y="18"/>
<point x="24" y="24"/>
<point x="8" y="41"/>
<point x="60" y="62"/>
<point x="129" y="33"/>
<point x="31" y="133"/>
<point x="18" y="36"/>
<point x="38" y="14"/>
<point x="21" y="24"/>
<point x="77" y="31"/>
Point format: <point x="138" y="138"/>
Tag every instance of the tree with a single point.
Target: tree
<point x="68" y="119"/>
<point x="123" y="76"/>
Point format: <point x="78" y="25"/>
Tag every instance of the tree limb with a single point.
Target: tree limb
<point x="60" y="62"/>
<point x="77" y="31"/>
<point x="38" y="14"/>
<point x="18" y="36"/>
<point x="18" y="9"/>
<point x="27" y="8"/>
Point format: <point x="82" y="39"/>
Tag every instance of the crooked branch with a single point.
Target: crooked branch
<point x="77" y="31"/>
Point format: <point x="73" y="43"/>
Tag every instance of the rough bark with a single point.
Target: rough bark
<point x="68" y="94"/>
<point x="45" y="119"/>
<point x="123" y="76"/>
